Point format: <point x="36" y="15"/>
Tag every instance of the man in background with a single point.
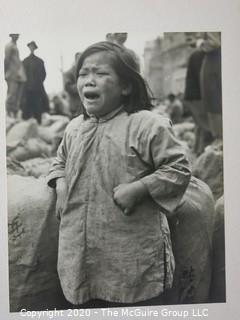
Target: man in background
<point x="211" y="83"/>
<point x="70" y="86"/>
<point x="193" y="96"/>
<point x="35" y="98"/>
<point x="120" y="39"/>
<point x="14" y="76"/>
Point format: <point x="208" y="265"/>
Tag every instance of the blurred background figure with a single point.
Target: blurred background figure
<point x="35" y="100"/>
<point x="174" y="108"/>
<point x="60" y="105"/>
<point x="193" y="98"/>
<point x="14" y="76"/>
<point x="70" y="86"/>
<point x="120" y="38"/>
<point x="211" y="82"/>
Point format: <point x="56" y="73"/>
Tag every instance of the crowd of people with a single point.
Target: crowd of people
<point x="119" y="172"/>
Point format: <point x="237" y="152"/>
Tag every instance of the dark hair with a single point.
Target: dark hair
<point x="126" y="67"/>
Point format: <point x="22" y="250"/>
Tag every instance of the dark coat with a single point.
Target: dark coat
<point x="211" y="82"/>
<point x="192" y="89"/>
<point x="35" y="95"/>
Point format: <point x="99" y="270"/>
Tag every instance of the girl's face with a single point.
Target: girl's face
<point x="98" y="84"/>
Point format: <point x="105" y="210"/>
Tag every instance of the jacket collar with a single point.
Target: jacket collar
<point x="106" y="117"/>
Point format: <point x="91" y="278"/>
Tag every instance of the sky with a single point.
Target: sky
<point x="61" y="28"/>
<point x="58" y="53"/>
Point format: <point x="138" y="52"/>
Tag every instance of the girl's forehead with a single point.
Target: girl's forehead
<point x="99" y="58"/>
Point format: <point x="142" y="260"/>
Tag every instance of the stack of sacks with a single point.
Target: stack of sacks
<point x="22" y="131"/>
<point x="14" y="167"/>
<point x="184" y="128"/>
<point x="185" y="132"/>
<point x="37" y="167"/>
<point x="33" y="245"/>
<point x="23" y="142"/>
<point x="209" y="168"/>
<point x="10" y="122"/>
<point x="52" y="127"/>
<point x="191" y="227"/>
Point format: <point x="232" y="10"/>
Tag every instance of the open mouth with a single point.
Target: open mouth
<point x="91" y="95"/>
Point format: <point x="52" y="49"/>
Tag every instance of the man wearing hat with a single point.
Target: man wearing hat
<point x="35" y="98"/>
<point x="14" y="76"/>
<point x="120" y="39"/>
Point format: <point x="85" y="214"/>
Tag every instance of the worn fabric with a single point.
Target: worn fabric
<point x="104" y="254"/>
<point x="35" y="98"/>
<point x="70" y="85"/>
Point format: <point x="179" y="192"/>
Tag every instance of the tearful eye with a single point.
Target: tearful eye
<point x="91" y="95"/>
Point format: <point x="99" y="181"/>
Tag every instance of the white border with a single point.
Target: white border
<point x="138" y="16"/>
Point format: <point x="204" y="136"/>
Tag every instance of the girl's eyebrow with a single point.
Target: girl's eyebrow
<point x="86" y="68"/>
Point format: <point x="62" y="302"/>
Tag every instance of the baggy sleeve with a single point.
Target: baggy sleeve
<point x="171" y="174"/>
<point x="57" y="169"/>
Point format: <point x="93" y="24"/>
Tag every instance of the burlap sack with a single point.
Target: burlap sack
<point x="32" y="148"/>
<point x="209" y="168"/>
<point x="37" y="167"/>
<point x="55" y="129"/>
<point x="22" y="131"/>
<point x="33" y="243"/>
<point x="191" y="231"/>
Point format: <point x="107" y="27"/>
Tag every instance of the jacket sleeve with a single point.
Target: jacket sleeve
<point x="57" y="169"/>
<point x="171" y="174"/>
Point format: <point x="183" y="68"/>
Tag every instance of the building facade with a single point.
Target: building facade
<point x="165" y="62"/>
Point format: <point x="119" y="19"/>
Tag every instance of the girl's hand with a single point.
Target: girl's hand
<point x="61" y="190"/>
<point x="127" y="195"/>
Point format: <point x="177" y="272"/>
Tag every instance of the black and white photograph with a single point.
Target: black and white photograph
<point x="115" y="164"/>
